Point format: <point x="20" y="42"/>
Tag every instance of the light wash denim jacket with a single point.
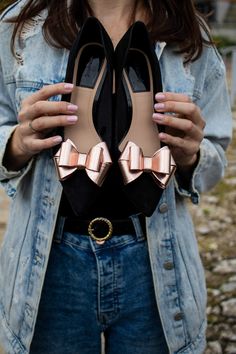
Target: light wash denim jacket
<point x="35" y="193"/>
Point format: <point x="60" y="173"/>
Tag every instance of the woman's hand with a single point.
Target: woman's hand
<point x="38" y="118"/>
<point x="184" y="127"/>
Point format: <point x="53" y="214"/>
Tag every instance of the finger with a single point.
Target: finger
<point x="46" y="108"/>
<point x="34" y="146"/>
<point x="171" y="96"/>
<point x="188" y="146"/>
<point x="181" y="124"/>
<point x="190" y="110"/>
<point x="43" y="124"/>
<point x="48" y="91"/>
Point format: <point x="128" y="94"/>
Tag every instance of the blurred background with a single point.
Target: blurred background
<point x="215" y="217"/>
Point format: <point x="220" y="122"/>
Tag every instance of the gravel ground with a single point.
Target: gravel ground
<point x="215" y="222"/>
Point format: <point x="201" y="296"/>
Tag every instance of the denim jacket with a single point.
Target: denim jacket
<point x="35" y="193"/>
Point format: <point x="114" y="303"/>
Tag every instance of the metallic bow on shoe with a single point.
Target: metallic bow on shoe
<point x="96" y="162"/>
<point x="133" y="164"/>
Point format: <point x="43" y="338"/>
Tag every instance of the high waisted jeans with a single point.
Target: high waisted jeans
<point x="92" y="289"/>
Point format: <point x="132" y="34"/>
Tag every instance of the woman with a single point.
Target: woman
<point x="145" y="290"/>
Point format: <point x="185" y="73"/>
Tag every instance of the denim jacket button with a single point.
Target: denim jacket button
<point x="178" y="316"/>
<point x="168" y="265"/>
<point x="163" y="208"/>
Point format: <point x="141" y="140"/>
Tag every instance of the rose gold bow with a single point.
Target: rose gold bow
<point x="133" y="164"/>
<point x="96" y="162"/>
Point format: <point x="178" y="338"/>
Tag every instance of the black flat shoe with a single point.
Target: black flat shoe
<point x="146" y="164"/>
<point x="83" y="159"/>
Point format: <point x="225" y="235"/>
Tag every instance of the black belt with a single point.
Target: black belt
<point x="101" y="229"/>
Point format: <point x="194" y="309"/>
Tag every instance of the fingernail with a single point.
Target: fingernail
<point x="72" y="118"/>
<point x="160" y="96"/>
<point x="158" y="116"/>
<point x="57" y="139"/>
<point x="159" y="106"/>
<point x="162" y="136"/>
<point x="72" y="107"/>
<point x="68" y="86"/>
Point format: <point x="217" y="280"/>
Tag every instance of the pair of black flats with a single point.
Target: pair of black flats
<point x="114" y="90"/>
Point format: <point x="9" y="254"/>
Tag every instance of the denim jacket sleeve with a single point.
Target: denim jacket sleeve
<point x="8" y="111"/>
<point x="211" y="95"/>
<point x="8" y="123"/>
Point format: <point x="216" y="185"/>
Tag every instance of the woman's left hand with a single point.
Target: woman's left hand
<point x="184" y="126"/>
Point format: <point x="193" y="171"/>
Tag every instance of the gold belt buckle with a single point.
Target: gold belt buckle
<point x="100" y="239"/>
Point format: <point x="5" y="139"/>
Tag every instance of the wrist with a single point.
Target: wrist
<point x="188" y="165"/>
<point x="15" y="158"/>
<point x="185" y="171"/>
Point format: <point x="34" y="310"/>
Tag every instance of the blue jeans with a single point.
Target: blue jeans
<point x="92" y="289"/>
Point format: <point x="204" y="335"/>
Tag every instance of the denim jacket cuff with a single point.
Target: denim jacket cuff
<point x="11" y="179"/>
<point x="192" y="192"/>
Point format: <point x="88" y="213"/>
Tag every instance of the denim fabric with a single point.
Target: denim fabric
<point x="35" y="192"/>
<point x="90" y="289"/>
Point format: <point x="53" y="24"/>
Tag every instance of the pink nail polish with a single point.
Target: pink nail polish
<point x="57" y="139"/>
<point x="72" y="118"/>
<point x="72" y="107"/>
<point x="160" y="96"/>
<point x="159" y="106"/>
<point x="158" y="116"/>
<point x="162" y="136"/>
<point x="68" y="86"/>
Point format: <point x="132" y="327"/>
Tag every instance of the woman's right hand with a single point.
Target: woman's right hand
<point x="38" y="117"/>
